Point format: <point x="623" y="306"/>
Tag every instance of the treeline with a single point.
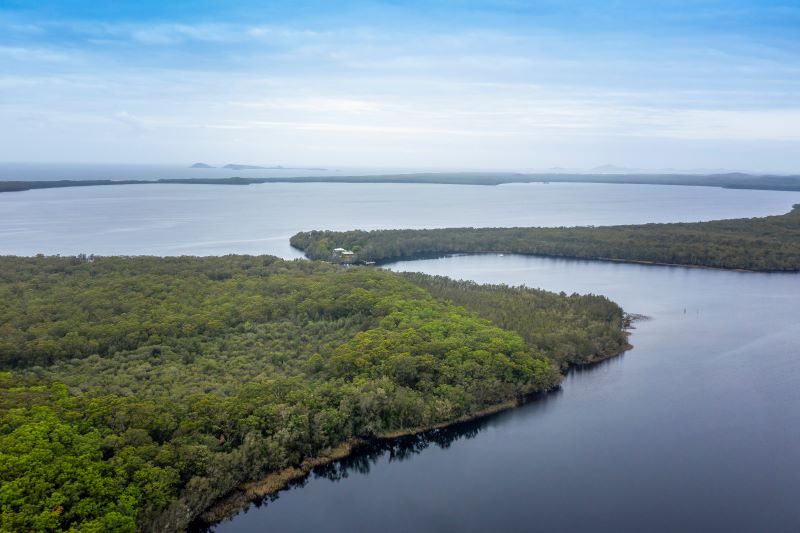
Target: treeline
<point x="135" y="391"/>
<point x="760" y="244"/>
<point x="569" y="329"/>
<point x="733" y="180"/>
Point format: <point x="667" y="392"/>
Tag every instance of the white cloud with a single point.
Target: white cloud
<point x="315" y="105"/>
<point x="709" y="124"/>
<point x="133" y="122"/>
<point x="332" y="127"/>
<point x="391" y="93"/>
<point x="19" y="53"/>
<point x="168" y="34"/>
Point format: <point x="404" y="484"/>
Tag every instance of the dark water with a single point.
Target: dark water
<point x="696" y="429"/>
<point x="259" y="219"/>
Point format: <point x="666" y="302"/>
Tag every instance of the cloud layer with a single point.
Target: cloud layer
<point x="468" y="84"/>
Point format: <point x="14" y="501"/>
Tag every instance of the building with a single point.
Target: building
<point x="343" y="253"/>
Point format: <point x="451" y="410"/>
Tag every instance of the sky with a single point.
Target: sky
<point x="502" y="84"/>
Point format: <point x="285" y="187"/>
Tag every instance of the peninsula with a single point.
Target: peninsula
<point x="757" y="244"/>
<point x="136" y="391"/>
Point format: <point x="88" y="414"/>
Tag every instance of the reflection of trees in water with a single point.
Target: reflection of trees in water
<point x="399" y="449"/>
<point x="604" y="363"/>
<point x="362" y="458"/>
<point x="403" y="448"/>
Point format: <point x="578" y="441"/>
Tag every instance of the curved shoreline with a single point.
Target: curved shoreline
<point x="435" y="255"/>
<point x="250" y="491"/>
<point x="246" y="493"/>
<point x="758" y="244"/>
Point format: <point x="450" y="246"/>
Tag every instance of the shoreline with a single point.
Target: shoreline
<point x="759" y="236"/>
<point x="436" y="255"/>
<point x="764" y="182"/>
<point x="248" y="492"/>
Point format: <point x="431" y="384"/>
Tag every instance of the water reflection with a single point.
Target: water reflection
<point x="695" y="430"/>
<point x="394" y="450"/>
<point x="399" y="449"/>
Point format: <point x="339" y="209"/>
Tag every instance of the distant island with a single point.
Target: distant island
<point x="756" y="244"/>
<point x="201" y="165"/>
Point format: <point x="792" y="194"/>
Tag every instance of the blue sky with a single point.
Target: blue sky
<point x="472" y="84"/>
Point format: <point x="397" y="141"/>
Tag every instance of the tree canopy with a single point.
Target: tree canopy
<point x="135" y="391"/>
<point x="761" y="244"/>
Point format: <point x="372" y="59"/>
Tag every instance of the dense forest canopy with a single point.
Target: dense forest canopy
<point x="135" y="391"/>
<point x="762" y="244"/>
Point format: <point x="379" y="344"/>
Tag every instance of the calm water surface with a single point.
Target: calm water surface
<point x="695" y="429"/>
<point x="259" y="219"/>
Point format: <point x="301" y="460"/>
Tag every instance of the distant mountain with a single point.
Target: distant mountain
<point x="201" y="165"/>
<point x="233" y="166"/>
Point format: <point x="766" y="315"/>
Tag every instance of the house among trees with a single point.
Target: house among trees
<point x="343" y="253"/>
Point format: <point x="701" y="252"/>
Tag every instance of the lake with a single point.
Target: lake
<point x="695" y="429"/>
<point x="259" y="219"/>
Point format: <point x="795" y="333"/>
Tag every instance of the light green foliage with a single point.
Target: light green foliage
<point x="139" y="390"/>
<point x="53" y="473"/>
<point x="568" y="329"/>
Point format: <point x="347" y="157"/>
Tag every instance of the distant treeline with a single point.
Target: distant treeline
<point x="136" y="391"/>
<point x="731" y="181"/>
<point x="761" y="244"/>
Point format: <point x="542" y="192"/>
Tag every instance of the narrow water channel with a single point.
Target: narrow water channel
<point x="695" y="429"/>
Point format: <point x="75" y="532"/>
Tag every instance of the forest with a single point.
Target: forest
<point x="769" y="244"/>
<point x="732" y="180"/>
<point x="137" y="391"/>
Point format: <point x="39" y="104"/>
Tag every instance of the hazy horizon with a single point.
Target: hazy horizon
<point x="607" y="168"/>
<point x="482" y="85"/>
<point x="47" y="170"/>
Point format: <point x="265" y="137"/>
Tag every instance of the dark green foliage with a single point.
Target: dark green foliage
<point x="139" y="390"/>
<point x="763" y="244"/>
